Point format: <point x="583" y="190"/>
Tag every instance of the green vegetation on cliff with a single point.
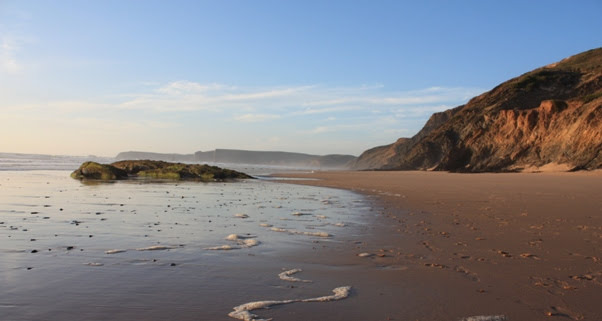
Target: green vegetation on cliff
<point x="156" y="170"/>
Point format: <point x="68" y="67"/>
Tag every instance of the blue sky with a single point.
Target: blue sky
<point x="100" y="77"/>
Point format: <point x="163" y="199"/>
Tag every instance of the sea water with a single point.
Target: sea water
<point x="158" y="250"/>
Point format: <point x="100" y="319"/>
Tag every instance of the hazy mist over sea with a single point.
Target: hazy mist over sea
<point x="22" y="162"/>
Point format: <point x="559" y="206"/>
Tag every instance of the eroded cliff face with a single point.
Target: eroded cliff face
<point x="555" y="132"/>
<point x="378" y="157"/>
<point x="386" y="157"/>
<point x="550" y="116"/>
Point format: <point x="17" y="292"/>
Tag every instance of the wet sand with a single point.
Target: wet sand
<point x="449" y="246"/>
<point x="166" y="250"/>
<point x="417" y="246"/>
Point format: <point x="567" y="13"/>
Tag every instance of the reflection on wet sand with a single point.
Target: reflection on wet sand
<point x="68" y="239"/>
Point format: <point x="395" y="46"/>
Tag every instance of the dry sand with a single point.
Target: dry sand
<point x="450" y="246"/>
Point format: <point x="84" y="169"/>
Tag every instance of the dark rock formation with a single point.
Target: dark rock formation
<point x="154" y="169"/>
<point x="383" y="157"/>
<point x="93" y="170"/>
<point x="552" y="115"/>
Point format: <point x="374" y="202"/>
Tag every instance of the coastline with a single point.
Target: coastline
<point x="172" y="250"/>
<point x="419" y="264"/>
<point x="523" y="245"/>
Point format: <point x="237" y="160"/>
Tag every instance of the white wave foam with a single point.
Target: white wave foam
<point x="486" y="318"/>
<point x="236" y="237"/>
<point x="114" y="251"/>
<point x="242" y="312"/>
<point x="286" y="276"/>
<point x="243" y="241"/>
<point x="339" y="293"/>
<point x="299" y="214"/>
<point x="284" y="230"/>
<point x="222" y="248"/>
<point x="155" y="248"/>
<point x="249" y="242"/>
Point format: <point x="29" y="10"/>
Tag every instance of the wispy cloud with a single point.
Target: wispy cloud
<point x="323" y="109"/>
<point x="188" y="87"/>
<point x="355" y="127"/>
<point x="286" y="101"/>
<point x="312" y="103"/>
<point x="252" y="118"/>
<point x="310" y="118"/>
<point x="8" y="54"/>
<point x="322" y="129"/>
<point x="13" y="39"/>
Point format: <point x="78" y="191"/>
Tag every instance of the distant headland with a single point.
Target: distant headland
<point x="236" y="156"/>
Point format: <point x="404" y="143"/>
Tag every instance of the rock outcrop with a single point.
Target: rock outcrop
<point x="93" y="170"/>
<point x="154" y="169"/>
<point x="384" y="157"/>
<point x="549" y="116"/>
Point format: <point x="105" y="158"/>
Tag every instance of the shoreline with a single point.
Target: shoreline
<point x="418" y="263"/>
<point x="172" y="250"/>
<point x="523" y="245"/>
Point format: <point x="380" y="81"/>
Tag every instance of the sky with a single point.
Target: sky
<point x="318" y="77"/>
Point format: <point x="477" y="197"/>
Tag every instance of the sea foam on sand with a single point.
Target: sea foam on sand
<point x="284" y="230"/>
<point x="243" y="241"/>
<point x="286" y="276"/>
<point x="155" y="248"/>
<point x="114" y="251"/>
<point x="486" y="318"/>
<point x="242" y="312"/>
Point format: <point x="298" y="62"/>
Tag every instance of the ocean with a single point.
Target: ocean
<point x="169" y="250"/>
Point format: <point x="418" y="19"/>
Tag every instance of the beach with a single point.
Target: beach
<point x="167" y="249"/>
<point x="522" y="246"/>
<point x="391" y="245"/>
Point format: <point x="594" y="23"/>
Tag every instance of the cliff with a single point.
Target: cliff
<point x="384" y="157"/>
<point x="551" y="116"/>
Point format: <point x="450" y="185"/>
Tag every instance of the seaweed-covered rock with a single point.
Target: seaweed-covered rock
<point x="163" y="170"/>
<point x="93" y="170"/>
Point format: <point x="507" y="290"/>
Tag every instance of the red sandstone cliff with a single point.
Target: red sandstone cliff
<point x="549" y="116"/>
